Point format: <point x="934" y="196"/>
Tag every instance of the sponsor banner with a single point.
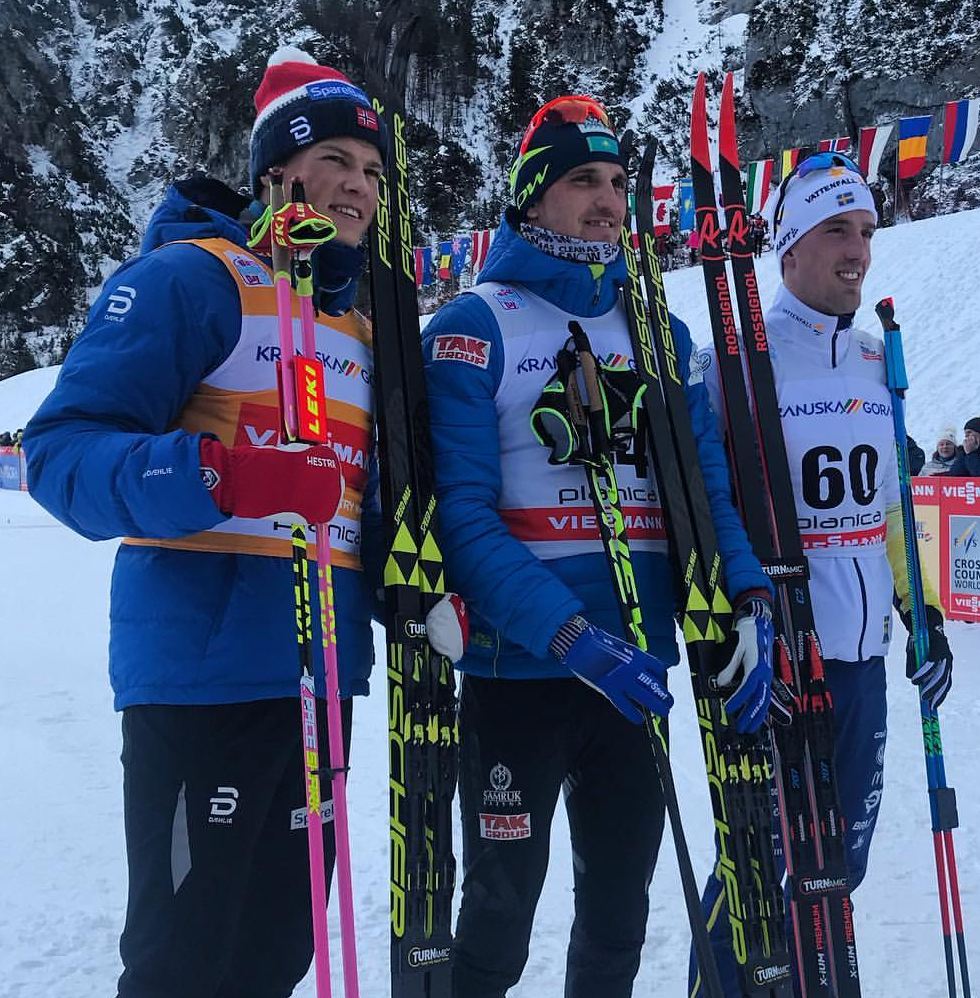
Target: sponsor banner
<point x="13" y="469"/>
<point x="844" y="538"/>
<point x="947" y="522"/>
<point x="580" y="523"/>
<point x="963" y="551"/>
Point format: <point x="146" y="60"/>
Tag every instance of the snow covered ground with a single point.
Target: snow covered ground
<point x="62" y="858"/>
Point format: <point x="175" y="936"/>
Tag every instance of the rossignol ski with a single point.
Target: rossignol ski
<point x="738" y="766"/>
<point x="422" y="731"/>
<point x="295" y="230"/>
<point x="809" y="807"/>
<point x="942" y="798"/>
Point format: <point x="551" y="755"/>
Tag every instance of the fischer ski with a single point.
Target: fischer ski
<point x="422" y="731"/>
<point x="942" y="798"/>
<point x="809" y="807"/>
<point x="738" y="766"/>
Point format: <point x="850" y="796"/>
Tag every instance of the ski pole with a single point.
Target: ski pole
<point x="942" y="798"/>
<point x="296" y="229"/>
<point x="604" y="491"/>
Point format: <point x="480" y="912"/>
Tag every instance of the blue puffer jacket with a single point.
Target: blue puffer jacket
<point x="518" y="602"/>
<point x="187" y="627"/>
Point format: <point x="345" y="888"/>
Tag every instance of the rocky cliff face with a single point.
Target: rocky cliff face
<point x="102" y="104"/>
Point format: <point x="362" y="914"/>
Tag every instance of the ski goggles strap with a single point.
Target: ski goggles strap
<point x="818" y="161"/>
<point x="570" y="110"/>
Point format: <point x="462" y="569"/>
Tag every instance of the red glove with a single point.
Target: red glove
<point x="447" y="627"/>
<point x="254" y="482"/>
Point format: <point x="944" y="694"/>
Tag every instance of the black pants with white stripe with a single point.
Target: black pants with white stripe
<point x="521" y="743"/>
<point x="215" y="814"/>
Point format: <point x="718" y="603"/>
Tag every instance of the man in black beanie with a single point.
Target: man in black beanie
<point x="967" y="464"/>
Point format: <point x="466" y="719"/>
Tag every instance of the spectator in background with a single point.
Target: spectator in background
<point x="917" y="456"/>
<point x="693" y="243"/>
<point x="18" y="437"/>
<point x="6" y="440"/>
<point x="944" y="455"/>
<point x="758" y="233"/>
<point x="967" y="464"/>
<point x="665" y="248"/>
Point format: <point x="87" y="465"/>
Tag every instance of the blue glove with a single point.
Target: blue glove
<point x="626" y="676"/>
<point x="752" y="657"/>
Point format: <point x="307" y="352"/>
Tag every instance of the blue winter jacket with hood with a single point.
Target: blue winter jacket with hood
<point x="517" y="601"/>
<point x="186" y="627"/>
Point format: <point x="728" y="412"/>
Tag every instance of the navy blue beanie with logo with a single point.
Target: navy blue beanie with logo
<point x="563" y="134"/>
<point x="300" y="102"/>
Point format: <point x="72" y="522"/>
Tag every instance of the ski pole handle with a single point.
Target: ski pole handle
<point x="598" y="430"/>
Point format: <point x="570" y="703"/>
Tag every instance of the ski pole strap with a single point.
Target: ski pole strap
<point x="295" y="226"/>
<point x="558" y="419"/>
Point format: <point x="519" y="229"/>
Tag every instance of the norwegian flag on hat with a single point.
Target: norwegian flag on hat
<point x="300" y="102"/>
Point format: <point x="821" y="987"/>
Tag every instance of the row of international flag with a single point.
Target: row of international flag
<point x="961" y="119"/>
<point x="959" y="134"/>
<point x="450" y="258"/>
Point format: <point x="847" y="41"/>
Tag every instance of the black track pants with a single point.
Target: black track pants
<point x="521" y="742"/>
<point x="219" y="884"/>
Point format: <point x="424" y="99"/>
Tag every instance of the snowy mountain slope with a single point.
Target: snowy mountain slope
<point x="62" y="861"/>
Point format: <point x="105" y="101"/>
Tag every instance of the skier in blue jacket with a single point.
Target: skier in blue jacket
<point x="173" y="381"/>
<point x="521" y="546"/>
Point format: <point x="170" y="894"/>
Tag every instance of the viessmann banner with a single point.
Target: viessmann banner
<point x="947" y="521"/>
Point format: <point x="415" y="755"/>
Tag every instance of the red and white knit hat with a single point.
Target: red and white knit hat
<point x="300" y="102"/>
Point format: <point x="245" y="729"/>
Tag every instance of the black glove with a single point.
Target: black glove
<point x="935" y="676"/>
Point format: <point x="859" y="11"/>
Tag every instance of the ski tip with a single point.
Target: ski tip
<point x="727" y="143"/>
<point x="645" y="176"/>
<point x="700" y="151"/>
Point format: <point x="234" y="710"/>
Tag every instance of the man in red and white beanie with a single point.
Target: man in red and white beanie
<point x="312" y="121"/>
<point x="299" y="103"/>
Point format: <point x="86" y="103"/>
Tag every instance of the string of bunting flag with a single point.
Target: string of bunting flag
<point x="451" y="257"/>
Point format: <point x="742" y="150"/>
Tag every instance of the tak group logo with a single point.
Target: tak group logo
<point x="467" y="349"/>
<point x="871" y="352"/>
<point x="500" y="793"/>
<point x="501" y="827"/>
